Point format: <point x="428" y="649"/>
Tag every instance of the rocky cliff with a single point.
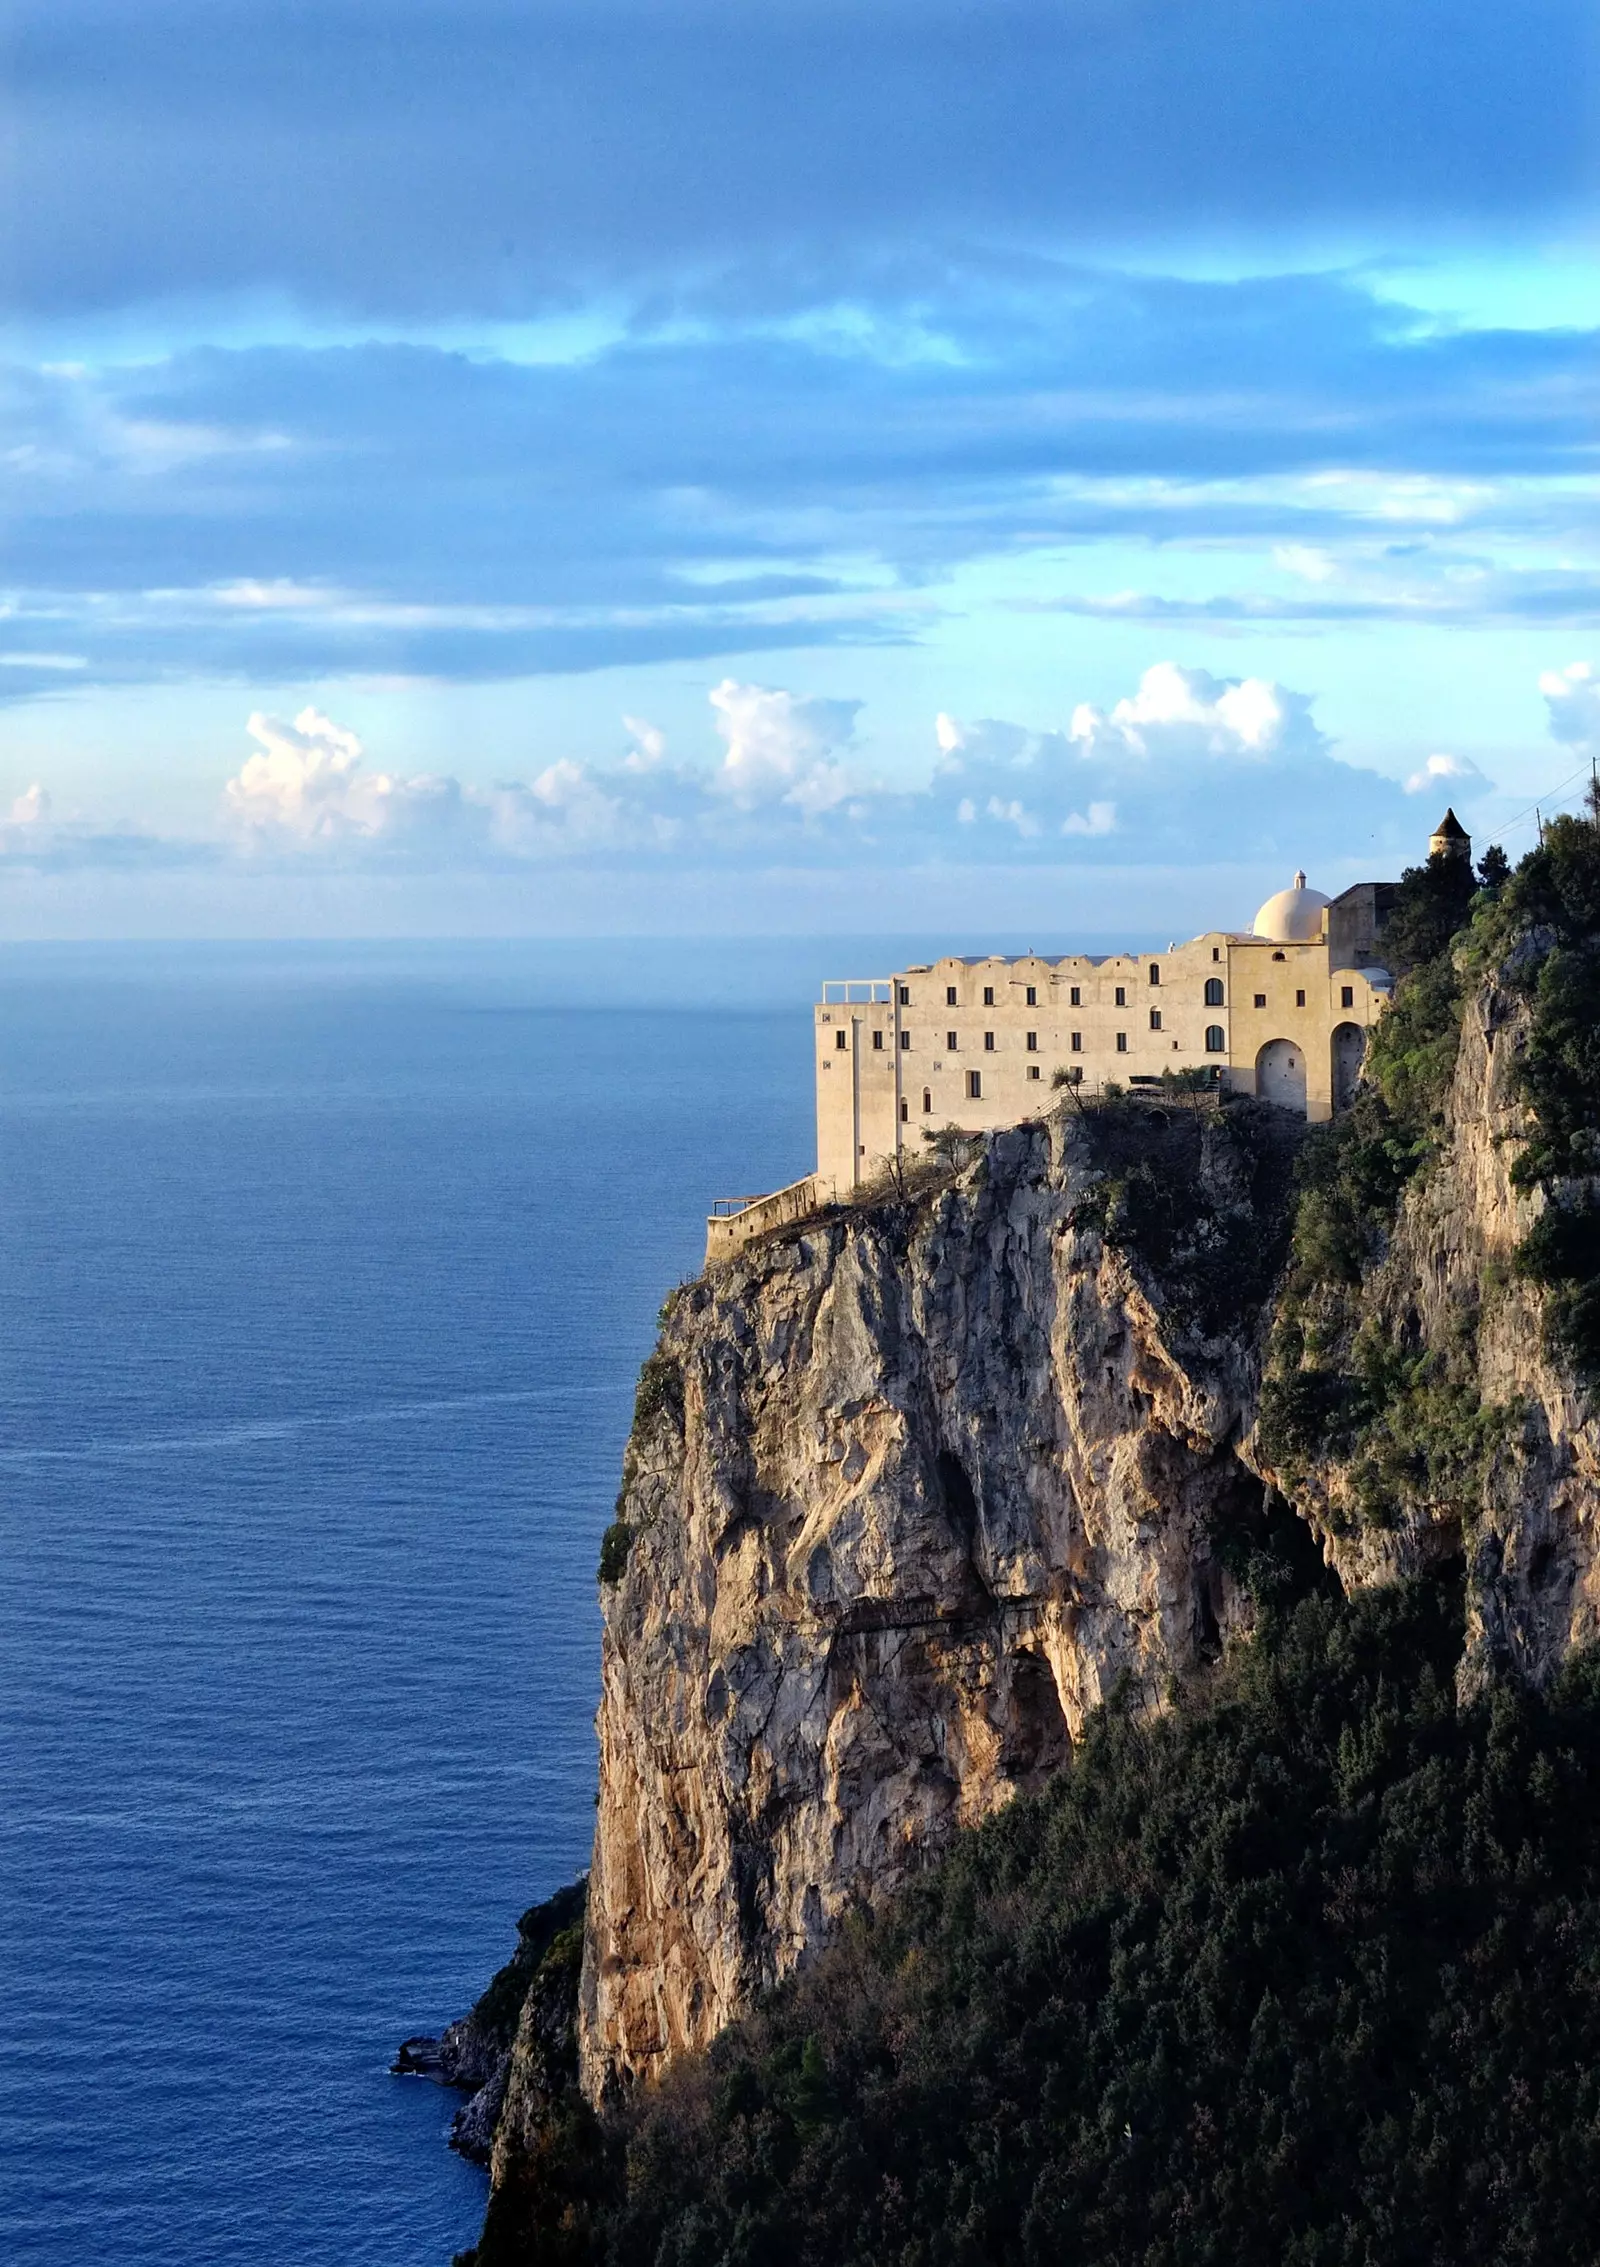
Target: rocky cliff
<point x="912" y="1488"/>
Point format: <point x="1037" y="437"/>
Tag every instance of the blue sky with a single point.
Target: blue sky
<point x="651" y="465"/>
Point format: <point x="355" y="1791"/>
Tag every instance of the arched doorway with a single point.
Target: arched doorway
<point x="1349" y="1053"/>
<point x="1281" y="1074"/>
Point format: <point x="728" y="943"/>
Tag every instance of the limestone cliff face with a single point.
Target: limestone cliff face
<point x="1523" y="1508"/>
<point x="911" y="1489"/>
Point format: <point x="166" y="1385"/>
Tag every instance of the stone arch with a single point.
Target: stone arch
<point x="1349" y="1053"/>
<point x="1281" y="1074"/>
<point x="1035" y="1738"/>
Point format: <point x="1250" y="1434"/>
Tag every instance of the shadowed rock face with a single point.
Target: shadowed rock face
<point x="913" y="1489"/>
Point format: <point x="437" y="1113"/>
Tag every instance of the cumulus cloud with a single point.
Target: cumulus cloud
<point x="1459" y="774"/>
<point x="32" y="807"/>
<point x="782" y="748"/>
<point x="306" y="781"/>
<point x="1189" y="713"/>
<point x="1572" y="698"/>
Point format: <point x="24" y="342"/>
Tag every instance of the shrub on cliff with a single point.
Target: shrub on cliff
<point x="1306" y="1978"/>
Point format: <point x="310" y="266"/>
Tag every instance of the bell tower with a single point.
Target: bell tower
<point x="1450" y="839"/>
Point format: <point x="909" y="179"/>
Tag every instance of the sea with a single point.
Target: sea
<point x="325" y="1273"/>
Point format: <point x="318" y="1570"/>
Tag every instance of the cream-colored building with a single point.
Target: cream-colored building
<point x="1281" y="1011"/>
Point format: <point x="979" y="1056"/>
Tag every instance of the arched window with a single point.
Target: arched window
<point x="1216" y="1039"/>
<point x="927" y="1098"/>
<point x="1213" y="991"/>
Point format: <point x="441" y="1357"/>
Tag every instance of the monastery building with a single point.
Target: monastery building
<point x="1281" y="1010"/>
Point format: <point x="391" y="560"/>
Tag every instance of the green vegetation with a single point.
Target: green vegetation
<point x="1198" y="1200"/>
<point x="615" y="1545"/>
<point x="1307" y="1978"/>
<point x="1553" y="900"/>
<point x="549" y="1937"/>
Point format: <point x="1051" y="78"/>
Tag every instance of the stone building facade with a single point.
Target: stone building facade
<point x="1281" y="1011"/>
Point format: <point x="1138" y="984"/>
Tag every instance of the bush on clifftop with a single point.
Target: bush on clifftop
<point x="1307" y="1979"/>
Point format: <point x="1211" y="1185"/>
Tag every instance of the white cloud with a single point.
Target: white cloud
<point x="1459" y="773"/>
<point x="1304" y="560"/>
<point x="1188" y="713"/>
<point x="306" y="782"/>
<point x="649" y="745"/>
<point x="32" y="807"/>
<point x="1101" y="818"/>
<point x="1572" y="696"/>
<point x="782" y="747"/>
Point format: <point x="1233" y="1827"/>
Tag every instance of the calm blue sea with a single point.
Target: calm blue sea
<point x="324" y="1277"/>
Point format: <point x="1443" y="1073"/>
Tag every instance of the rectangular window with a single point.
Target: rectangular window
<point x="1299" y="999"/>
<point x="877" y="1041"/>
<point x="1076" y="1039"/>
<point x="1122" y="1042"/>
<point x="1216" y="952"/>
<point x="1121" y="996"/>
<point x="974" y="1086"/>
<point x="1347" y="995"/>
<point x="1075" y="997"/>
<point x="905" y="995"/>
<point x="949" y="995"/>
<point x="1155" y="1019"/>
<point x="905" y="1112"/>
<point x="1034" y="1071"/>
<point x="1261" y="999"/>
<point x="905" y="1040"/>
<point x="988" y="1042"/>
<point x="1033" y="995"/>
<point x="988" y="995"/>
<point x="1030" y="1039"/>
<point x="1155" y="972"/>
<point x="841" y="1040"/>
<point x="949" y="1042"/>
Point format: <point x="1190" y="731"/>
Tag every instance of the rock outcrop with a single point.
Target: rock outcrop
<point x="1505" y="1471"/>
<point x="911" y="1489"/>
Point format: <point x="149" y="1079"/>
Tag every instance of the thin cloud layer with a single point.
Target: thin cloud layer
<point x="426" y="159"/>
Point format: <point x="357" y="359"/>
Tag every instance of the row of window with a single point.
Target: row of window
<point x="1216" y="1039"/>
<point x="952" y="995"/>
<point x="1214" y="999"/>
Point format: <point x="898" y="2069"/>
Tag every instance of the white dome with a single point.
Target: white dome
<point x="1294" y="916"/>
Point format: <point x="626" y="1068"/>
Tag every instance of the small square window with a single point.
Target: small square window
<point x="1034" y="1071"/>
<point x="1155" y="1019"/>
<point x="949" y="995"/>
<point x="1347" y="995"/>
<point x="1033" y="995"/>
<point x="1076" y="1041"/>
<point x="1122" y="1042"/>
<point x="988" y="1042"/>
<point x="1075" y="997"/>
<point x="877" y="1041"/>
<point x="974" y="1086"/>
<point x="1030" y="1039"/>
<point x="841" y="1040"/>
<point x="988" y="995"/>
<point x="1299" y="999"/>
<point x="1261" y="999"/>
<point x="949" y="1042"/>
<point x="1122" y="996"/>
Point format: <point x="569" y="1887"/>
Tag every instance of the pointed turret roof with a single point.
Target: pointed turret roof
<point x="1452" y="829"/>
